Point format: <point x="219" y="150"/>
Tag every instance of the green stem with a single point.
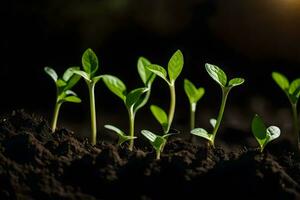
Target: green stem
<point x="225" y="92"/>
<point x="131" y="128"/>
<point x="172" y="106"/>
<point x="157" y="155"/>
<point x="192" y="119"/>
<point x="295" y="122"/>
<point x="55" y="116"/>
<point x="91" y="87"/>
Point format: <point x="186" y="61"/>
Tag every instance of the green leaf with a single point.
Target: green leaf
<point x="144" y="73"/>
<point x="73" y="99"/>
<point x="160" y="115"/>
<point x="294" y="88"/>
<point x="259" y="130"/>
<point x="51" y="72"/>
<point x="156" y="141"/>
<point x="159" y="71"/>
<point x="202" y="133"/>
<point x="192" y="92"/>
<point x="115" y="85"/>
<point x="71" y="78"/>
<point x="217" y="74"/>
<point x="175" y="65"/>
<point x="133" y="97"/>
<point x="281" y="80"/>
<point x="122" y="136"/>
<point x="213" y="122"/>
<point x="70" y="92"/>
<point x="235" y="82"/>
<point x="83" y="74"/>
<point x="90" y="62"/>
<point x="61" y="83"/>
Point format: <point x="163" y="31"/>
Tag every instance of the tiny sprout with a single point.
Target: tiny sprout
<point x="90" y="67"/>
<point x="262" y="134"/>
<point x="220" y="77"/>
<point x="194" y="95"/>
<point x="175" y="66"/>
<point x="122" y="136"/>
<point x="63" y="90"/>
<point x="133" y="100"/>
<point x="292" y="91"/>
<point x="158" y="142"/>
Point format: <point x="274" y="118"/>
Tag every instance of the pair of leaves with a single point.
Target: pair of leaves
<point x="262" y="134"/>
<point x="158" y="142"/>
<point x="194" y="94"/>
<point x="122" y="136"/>
<point x="292" y="90"/>
<point x="203" y="133"/>
<point x="220" y="77"/>
<point x="90" y="65"/>
<point x="175" y="66"/>
<point x="116" y="86"/>
<point x="64" y="84"/>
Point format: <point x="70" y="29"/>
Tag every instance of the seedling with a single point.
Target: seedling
<point x="90" y="66"/>
<point x="194" y="95"/>
<point x="262" y="134"/>
<point x="133" y="100"/>
<point x="220" y="77"/>
<point x="175" y="66"/>
<point x="157" y="142"/>
<point x="292" y="91"/>
<point x="63" y="90"/>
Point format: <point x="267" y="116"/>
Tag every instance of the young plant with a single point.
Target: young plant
<point x="90" y="66"/>
<point x="133" y="100"/>
<point x="158" y="142"/>
<point x="194" y="95"/>
<point x="292" y="91"/>
<point x="63" y="90"/>
<point x="262" y="134"/>
<point x="220" y="77"/>
<point x="175" y="66"/>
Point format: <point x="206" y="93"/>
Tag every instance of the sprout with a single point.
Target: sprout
<point x="133" y="100"/>
<point x="63" y="90"/>
<point x="175" y="66"/>
<point x="292" y="91"/>
<point x="220" y="77"/>
<point x="90" y="67"/>
<point x="194" y="95"/>
<point x="158" y="142"/>
<point x="262" y="134"/>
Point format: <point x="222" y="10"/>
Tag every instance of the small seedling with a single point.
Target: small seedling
<point x="292" y="91"/>
<point x="133" y="100"/>
<point x="175" y="66"/>
<point x="158" y="142"/>
<point x="63" y="90"/>
<point x="220" y="77"/>
<point x="90" y="66"/>
<point x="262" y="134"/>
<point x="194" y="95"/>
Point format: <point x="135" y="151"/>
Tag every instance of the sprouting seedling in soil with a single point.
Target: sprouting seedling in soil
<point x="158" y="142"/>
<point x="133" y="100"/>
<point x="175" y="66"/>
<point x="262" y="134"/>
<point x="90" y="66"/>
<point x="194" y="95"/>
<point x="292" y="91"/>
<point x="63" y="90"/>
<point x="220" y="77"/>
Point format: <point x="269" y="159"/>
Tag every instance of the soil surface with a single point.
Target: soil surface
<point x="35" y="164"/>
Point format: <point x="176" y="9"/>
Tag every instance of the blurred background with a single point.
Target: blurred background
<point x="249" y="38"/>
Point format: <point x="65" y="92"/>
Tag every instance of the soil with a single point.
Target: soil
<point x="35" y="164"/>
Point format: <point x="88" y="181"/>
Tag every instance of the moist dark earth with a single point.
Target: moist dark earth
<point x="36" y="164"/>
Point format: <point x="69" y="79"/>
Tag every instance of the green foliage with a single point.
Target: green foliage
<point x="160" y="115"/>
<point x="122" y="136"/>
<point x="262" y="134"/>
<point x="157" y="142"/>
<point x="194" y="94"/>
<point x="175" y="65"/>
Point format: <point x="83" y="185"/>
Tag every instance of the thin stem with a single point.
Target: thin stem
<point x="55" y="116"/>
<point x="295" y="122"/>
<point x="192" y="115"/>
<point x="225" y="92"/>
<point x="157" y="155"/>
<point x="131" y="128"/>
<point x="91" y="87"/>
<point x="172" y="106"/>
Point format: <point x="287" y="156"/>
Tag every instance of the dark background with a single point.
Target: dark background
<point x="248" y="38"/>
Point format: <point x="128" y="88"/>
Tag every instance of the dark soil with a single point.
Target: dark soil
<point x="35" y="164"/>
